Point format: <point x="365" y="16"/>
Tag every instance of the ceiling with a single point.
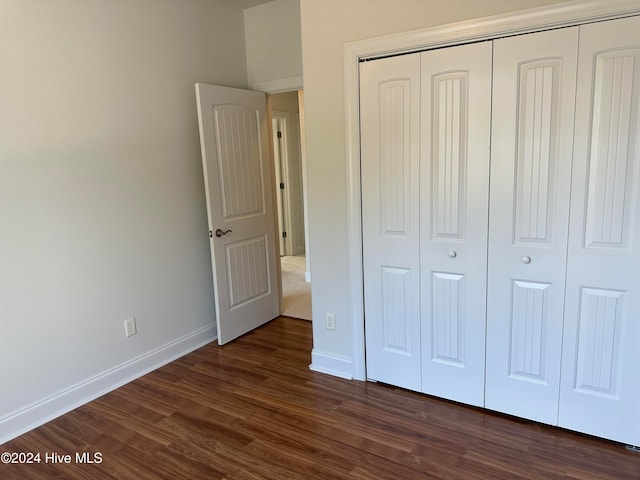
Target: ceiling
<point x="242" y="4"/>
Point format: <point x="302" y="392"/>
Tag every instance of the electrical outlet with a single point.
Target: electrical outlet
<point x="331" y="321"/>
<point x="130" y="327"/>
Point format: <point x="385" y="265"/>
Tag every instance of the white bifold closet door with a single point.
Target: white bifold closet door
<point x="536" y="253"/>
<point x="425" y="201"/>
<point x="390" y="152"/>
<point x="454" y="181"/>
<point x="532" y="130"/>
<point x="600" y="391"/>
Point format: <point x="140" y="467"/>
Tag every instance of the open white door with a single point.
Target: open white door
<point x="237" y="175"/>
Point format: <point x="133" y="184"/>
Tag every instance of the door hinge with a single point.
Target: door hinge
<point x="279" y="134"/>
<point x="281" y="185"/>
<point x="284" y="234"/>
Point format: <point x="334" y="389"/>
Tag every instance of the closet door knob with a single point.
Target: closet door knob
<point x="526" y="259"/>
<point x="453" y="254"/>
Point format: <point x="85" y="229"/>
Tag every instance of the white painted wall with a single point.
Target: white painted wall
<point x="326" y="26"/>
<point x="274" y="48"/>
<point x="102" y="209"/>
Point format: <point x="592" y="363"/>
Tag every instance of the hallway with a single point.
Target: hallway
<point x="296" y="293"/>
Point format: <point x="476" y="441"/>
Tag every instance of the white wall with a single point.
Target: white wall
<point x="102" y="209"/>
<point x="274" y="48"/>
<point x="326" y="26"/>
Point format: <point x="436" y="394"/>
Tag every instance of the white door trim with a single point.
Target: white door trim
<point x="279" y="85"/>
<point x="285" y="119"/>
<point x="574" y="12"/>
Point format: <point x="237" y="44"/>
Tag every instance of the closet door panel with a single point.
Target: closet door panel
<point x="532" y="131"/>
<point x="454" y="181"/>
<point x="390" y="129"/>
<point x="600" y="390"/>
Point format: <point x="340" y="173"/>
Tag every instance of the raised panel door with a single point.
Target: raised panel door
<point x="390" y="129"/>
<point x="454" y="191"/>
<point x="238" y="188"/>
<point x="532" y="131"/>
<point x="600" y="391"/>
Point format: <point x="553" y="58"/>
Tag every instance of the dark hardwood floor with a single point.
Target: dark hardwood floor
<point x="253" y="410"/>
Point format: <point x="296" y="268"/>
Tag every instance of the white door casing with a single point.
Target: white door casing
<point x="390" y="102"/>
<point x="281" y="177"/>
<point x="600" y="391"/>
<point x="238" y="186"/>
<point x="454" y="190"/>
<point x="531" y="152"/>
<point x="292" y="197"/>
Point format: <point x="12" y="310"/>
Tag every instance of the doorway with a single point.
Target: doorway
<point x="287" y="113"/>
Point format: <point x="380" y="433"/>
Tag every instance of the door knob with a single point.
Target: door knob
<point x="526" y="259"/>
<point x="453" y="254"/>
<point x="220" y="233"/>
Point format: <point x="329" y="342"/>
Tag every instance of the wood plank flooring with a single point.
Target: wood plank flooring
<point x="253" y="410"/>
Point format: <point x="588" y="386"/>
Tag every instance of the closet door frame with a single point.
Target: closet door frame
<point x="565" y="14"/>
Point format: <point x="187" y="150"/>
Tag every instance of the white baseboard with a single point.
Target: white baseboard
<point x="21" y="421"/>
<point x="331" y="364"/>
<point x="307" y="277"/>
